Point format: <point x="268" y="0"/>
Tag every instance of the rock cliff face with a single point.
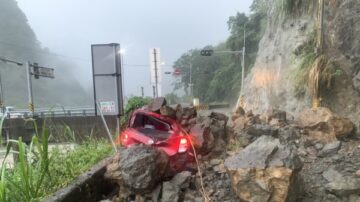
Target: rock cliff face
<point x="274" y="79"/>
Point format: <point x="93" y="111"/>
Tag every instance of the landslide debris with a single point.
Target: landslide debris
<point x="251" y="157"/>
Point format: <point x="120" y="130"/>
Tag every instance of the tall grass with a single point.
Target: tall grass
<point x="40" y="172"/>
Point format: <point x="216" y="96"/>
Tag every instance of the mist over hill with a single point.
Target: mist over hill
<point x="18" y="42"/>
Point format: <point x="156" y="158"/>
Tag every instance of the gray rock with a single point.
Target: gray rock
<point x="142" y="167"/>
<point x="202" y="138"/>
<point x="156" y="104"/>
<point x="287" y="135"/>
<point x="215" y="162"/>
<point x="332" y="175"/>
<point x="182" y="180"/>
<point x="261" y="129"/>
<point x="330" y="149"/>
<point x="345" y="187"/>
<point x="170" y="192"/>
<point x="155" y="194"/>
<point x="265" y="152"/>
<point x="340" y="185"/>
<point x="319" y="146"/>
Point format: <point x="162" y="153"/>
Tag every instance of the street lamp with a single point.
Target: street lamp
<point x="122" y="51"/>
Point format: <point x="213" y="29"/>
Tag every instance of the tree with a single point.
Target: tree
<point x="218" y="77"/>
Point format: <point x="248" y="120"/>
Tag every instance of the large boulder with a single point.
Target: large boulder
<point x="324" y="126"/>
<point x="143" y="167"/>
<point x="341" y="185"/>
<point x="265" y="171"/>
<point x="168" y="111"/>
<point x="156" y="104"/>
<point x="202" y="138"/>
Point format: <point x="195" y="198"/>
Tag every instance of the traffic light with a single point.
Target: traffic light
<point x="206" y="52"/>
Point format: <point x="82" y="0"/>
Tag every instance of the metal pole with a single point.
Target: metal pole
<point x="142" y="91"/>
<point x="156" y="74"/>
<point x="243" y="63"/>
<point x="29" y="85"/>
<point x="106" y="127"/>
<point x="191" y="85"/>
<point x="2" y="106"/>
<point x="154" y="93"/>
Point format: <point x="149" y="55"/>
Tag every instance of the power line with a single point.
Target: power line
<point x="44" y="52"/>
<point x="70" y="57"/>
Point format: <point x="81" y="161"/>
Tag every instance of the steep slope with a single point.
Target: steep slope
<point x="286" y="53"/>
<point x="18" y="42"/>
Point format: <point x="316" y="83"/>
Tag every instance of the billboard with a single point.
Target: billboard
<point x="107" y="78"/>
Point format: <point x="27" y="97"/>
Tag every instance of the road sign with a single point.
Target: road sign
<point x="177" y="72"/>
<point x="42" y="71"/>
<point x="107" y="107"/>
<point x="107" y="78"/>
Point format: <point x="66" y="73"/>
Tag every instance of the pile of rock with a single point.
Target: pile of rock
<point x="268" y="157"/>
<point x="142" y="173"/>
<point x="267" y="167"/>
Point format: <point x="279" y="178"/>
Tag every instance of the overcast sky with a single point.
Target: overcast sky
<point x="69" y="27"/>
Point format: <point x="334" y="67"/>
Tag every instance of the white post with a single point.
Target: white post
<point x="29" y="85"/>
<point x="106" y="126"/>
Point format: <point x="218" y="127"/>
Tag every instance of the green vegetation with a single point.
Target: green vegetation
<point x="40" y="172"/>
<point x="218" y="78"/>
<point x="133" y="103"/>
<point x="297" y="7"/>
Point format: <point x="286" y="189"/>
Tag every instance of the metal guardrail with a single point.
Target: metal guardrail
<point x="51" y="112"/>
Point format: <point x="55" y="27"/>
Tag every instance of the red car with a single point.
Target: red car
<point x="153" y="129"/>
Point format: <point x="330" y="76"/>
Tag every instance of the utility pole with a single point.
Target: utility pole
<point x="29" y="85"/>
<point x="243" y="65"/>
<point x="154" y="93"/>
<point x="142" y="91"/>
<point x="156" y="75"/>
<point x="191" y="84"/>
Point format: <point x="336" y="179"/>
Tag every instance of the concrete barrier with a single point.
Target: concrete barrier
<point x="91" y="186"/>
<point x="83" y="127"/>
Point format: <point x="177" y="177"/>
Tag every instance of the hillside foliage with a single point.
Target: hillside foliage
<point x="217" y="78"/>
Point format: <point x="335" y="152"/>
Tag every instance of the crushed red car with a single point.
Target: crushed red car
<point x="164" y="133"/>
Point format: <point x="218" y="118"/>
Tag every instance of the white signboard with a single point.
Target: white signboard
<point x="107" y="78"/>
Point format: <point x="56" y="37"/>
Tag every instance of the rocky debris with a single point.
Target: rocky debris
<point x="341" y="185"/>
<point x="330" y="149"/>
<point x="274" y="117"/>
<point x="324" y="126"/>
<point x="168" y="111"/>
<point x="113" y="171"/>
<point x="170" y="192"/>
<point x="156" y="103"/>
<point x="265" y="171"/>
<point x="202" y="138"/>
<point x="182" y="180"/>
<point x="262" y="129"/>
<point x="142" y="167"/>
